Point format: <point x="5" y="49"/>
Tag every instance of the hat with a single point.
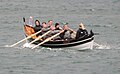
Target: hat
<point x="82" y="26"/>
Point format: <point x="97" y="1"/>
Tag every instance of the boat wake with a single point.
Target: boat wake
<point x="101" y="46"/>
<point x="27" y="45"/>
<point x="9" y="46"/>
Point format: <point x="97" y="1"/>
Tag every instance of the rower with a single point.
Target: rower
<point x="57" y="26"/>
<point x="37" y="27"/>
<point x="44" y="27"/>
<point x="50" y="23"/>
<point x="53" y="32"/>
<point x="67" y="32"/>
<point x="81" y="32"/>
<point x="54" y="29"/>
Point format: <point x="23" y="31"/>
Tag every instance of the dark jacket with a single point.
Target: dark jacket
<point x="37" y="28"/>
<point x="81" y="33"/>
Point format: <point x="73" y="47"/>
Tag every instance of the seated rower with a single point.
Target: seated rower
<point x="50" y="23"/>
<point x="44" y="27"/>
<point x="57" y="26"/>
<point x="67" y="32"/>
<point x="37" y="27"/>
<point x="81" y="32"/>
<point x="53" y="32"/>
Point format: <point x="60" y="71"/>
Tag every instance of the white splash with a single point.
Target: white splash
<point x="101" y="46"/>
<point x="54" y="49"/>
<point x="7" y="46"/>
<point x="27" y="45"/>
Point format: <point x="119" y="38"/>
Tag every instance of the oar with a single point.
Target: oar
<point x="73" y="35"/>
<point x="48" y="39"/>
<point x="26" y="37"/>
<point x="39" y="37"/>
<point x="72" y="30"/>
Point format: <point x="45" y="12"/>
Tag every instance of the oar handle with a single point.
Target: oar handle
<point x="18" y="42"/>
<point x="72" y="30"/>
<point x="25" y="38"/>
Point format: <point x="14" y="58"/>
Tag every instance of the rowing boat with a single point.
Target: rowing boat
<point x="85" y="42"/>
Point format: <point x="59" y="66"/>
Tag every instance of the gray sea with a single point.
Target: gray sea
<point x="102" y="16"/>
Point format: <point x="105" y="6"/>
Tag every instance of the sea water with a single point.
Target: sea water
<point x="102" y="16"/>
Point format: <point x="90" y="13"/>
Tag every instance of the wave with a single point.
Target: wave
<point x="101" y="46"/>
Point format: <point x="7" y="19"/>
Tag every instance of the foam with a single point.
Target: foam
<point x="101" y="46"/>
